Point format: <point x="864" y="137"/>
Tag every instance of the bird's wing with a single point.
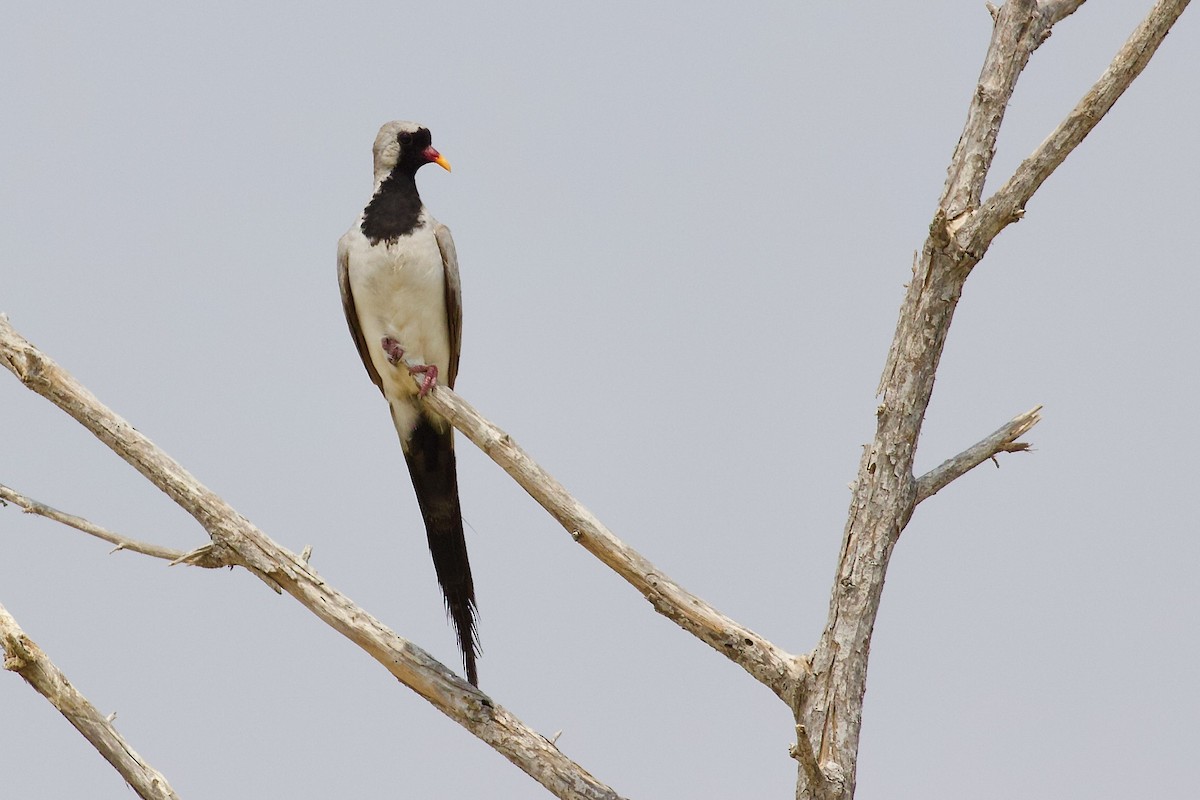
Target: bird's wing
<point x="453" y="299"/>
<point x="348" y="306"/>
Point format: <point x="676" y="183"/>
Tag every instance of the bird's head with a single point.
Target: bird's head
<point x="405" y="145"/>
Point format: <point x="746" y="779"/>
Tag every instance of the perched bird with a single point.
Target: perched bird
<point x="398" y="274"/>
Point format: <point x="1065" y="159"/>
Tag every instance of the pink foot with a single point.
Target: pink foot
<point x="430" y="372"/>
<point x="393" y="350"/>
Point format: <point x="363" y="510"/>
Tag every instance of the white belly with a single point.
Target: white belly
<point x="400" y="292"/>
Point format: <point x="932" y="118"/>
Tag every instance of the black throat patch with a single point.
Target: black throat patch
<point x="395" y="209"/>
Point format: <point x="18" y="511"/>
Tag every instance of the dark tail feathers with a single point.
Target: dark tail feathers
<point x="430" y="456"/>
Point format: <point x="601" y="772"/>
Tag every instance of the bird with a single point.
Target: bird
<point x="399" y="280"/>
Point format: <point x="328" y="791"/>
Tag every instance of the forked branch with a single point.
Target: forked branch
<point x="1007" y="205"/>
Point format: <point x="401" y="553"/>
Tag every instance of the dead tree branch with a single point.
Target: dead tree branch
<point x="1007" y="205"/>
<point x="777" y="669"/>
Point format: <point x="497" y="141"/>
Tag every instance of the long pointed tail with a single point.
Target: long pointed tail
<point x="430" y="456"/>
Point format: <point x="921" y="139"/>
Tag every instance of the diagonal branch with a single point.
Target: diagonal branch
<point x="782" y="672"/>
<point x="237" y="541"/>
<point x="1007" y="205"/>
<point x="24" y="657"/>
<point x="1003" y="440"/>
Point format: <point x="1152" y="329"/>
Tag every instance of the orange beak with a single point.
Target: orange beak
<point x="437" y="158"/>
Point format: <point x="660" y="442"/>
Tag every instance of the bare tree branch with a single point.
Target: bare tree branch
<point x="777" y="669"/>
<point x="79" y="523"/>
<point x="24" y="657"/>
<point x="237" y="541"/>
<point x="1003" y="440"/>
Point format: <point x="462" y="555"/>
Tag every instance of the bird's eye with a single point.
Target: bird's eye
<point x="404" y="138"/>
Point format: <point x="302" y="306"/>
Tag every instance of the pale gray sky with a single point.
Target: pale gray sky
<point x="683" y="231"/>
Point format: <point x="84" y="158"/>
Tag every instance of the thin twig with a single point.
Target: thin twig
<point x="1003" y="440"/>
<point x="79" y="523"/>
<point x="24" y="657"/>
<point x="236" y="540"/>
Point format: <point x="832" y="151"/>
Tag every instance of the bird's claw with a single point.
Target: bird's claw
<point x="393" y="350"/>
<point x="395" y="354"/>
<point x="430" y="372"/>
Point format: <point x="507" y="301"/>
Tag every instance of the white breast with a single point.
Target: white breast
<point x="399" y="291"/>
